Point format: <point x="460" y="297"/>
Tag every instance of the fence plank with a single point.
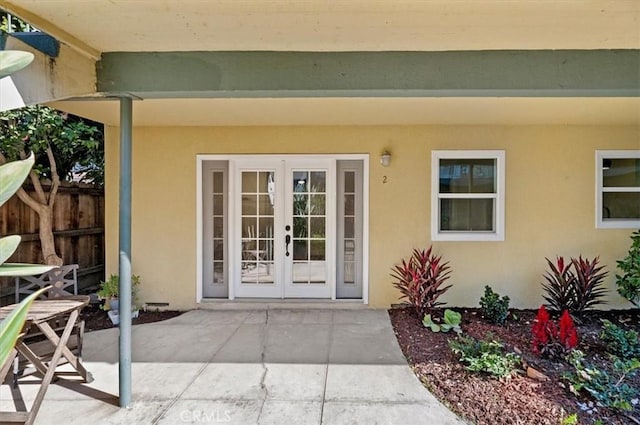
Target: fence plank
<point x="78" y="226"/>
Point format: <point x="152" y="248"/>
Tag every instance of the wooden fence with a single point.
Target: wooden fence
<point x="78" y="225"/>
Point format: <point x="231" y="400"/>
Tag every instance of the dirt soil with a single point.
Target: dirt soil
<point x="96" y="318"/>
<point x="518" y="400"/>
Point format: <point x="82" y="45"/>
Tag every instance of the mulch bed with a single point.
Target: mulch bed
<point x="95" y="318"/>
<point x="517" y="400"/>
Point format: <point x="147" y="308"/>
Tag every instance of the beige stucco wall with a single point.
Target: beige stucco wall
<point x="550" y="201"/>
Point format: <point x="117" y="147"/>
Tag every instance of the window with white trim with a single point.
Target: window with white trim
<point x="467" y="195"/>
<point x="618" y="189"/>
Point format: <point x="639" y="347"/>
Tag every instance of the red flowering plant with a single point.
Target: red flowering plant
<point x="551" y="339"/>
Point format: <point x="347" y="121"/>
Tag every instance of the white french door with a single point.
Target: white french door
<point x="283" y="228"/>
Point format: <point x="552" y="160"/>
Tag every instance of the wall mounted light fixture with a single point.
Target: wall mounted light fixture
<point x="385" y="158"/>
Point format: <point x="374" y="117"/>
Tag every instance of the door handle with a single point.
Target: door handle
<point x="287" y="241"/>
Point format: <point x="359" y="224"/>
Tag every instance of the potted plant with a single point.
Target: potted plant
<point x="109" y="291"/>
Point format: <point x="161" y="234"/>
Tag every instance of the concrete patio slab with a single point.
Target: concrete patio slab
<point x="264" y="366"/>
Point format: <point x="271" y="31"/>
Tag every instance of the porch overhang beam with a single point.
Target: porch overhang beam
<point x="522" y="73"/>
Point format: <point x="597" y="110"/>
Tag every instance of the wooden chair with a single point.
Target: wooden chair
<point x="61" y="279"/>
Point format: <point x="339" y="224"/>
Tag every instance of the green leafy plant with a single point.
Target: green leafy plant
<point x="485" y="356"/>
<point x="420" y="280"/>
<point x="110" y="289"/>
<point x="494" y="308"/>
<point x="551" y="340"/>
<point x="572" y="419"/>
<point x="620" y="342"/>
<point x="451" y="321"/>
<point x="607" y="386"/>
<point x="576" y="286"/>
<point x="629" y="281"/>
<point x="11" y="177"/>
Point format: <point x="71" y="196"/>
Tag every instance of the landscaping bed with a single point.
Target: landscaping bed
<point x="95" y="318"/>
<point x="519" y="399"/>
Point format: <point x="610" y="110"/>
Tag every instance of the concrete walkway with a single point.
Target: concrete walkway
<point x="248" y="367"/>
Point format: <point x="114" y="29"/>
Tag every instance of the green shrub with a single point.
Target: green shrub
<point x="452" y="322"/>
<point x="485" y="356"/>
<point x="620" y="342"/>
<point x="607" y="386"/>
<point x="629" y="281"/>
<point x="494" y="309"/>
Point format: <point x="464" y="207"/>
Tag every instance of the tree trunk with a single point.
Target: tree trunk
<point x="45" y="215"/>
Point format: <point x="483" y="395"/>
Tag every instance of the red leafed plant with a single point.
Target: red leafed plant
<point x="551" y="340"/>
<point x="420" y="280"/>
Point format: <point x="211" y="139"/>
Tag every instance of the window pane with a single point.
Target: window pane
<point x="466" y="215"/>
<point x="349" y="181"/>
<point x="300" y="249"/>
<point x="621" y="172"/>
<point x="316" y="205"/>
<point x="467" y="176"/>
<point x="620" y="205"/>
<point x="317" y="250"/>
<point x="218" y="180"/>
<point x="318" y="181"/>
<point x="218" y="204"/>
<point x="249" y="182"/>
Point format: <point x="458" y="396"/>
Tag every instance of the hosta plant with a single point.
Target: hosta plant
<point x="451" y="322"/>
<point x="494" y="308"/>
<point x="421" y="279"/>
<point x="629" y="280"/>
<point x="550" y="339"/>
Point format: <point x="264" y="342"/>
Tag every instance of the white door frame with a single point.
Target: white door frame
<point x="201" y="158"/>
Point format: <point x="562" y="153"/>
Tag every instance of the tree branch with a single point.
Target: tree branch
<point x="35" y="181"/>
<point x="55" y="178"/>
<point x="32" y="203"/>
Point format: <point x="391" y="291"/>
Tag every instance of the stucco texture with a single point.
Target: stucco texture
<point x="550" y="202"/>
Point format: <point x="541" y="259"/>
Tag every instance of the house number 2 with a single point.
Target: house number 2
<point x="384" y="179"/>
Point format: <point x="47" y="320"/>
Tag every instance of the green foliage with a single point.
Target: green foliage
<point x="110" y="288"/>
<point x="12" y="175"/>
<point x="629" y="281"/>
<point x="620" y="342"/>
<point x="607" y="386"/>
<point x="77" y="145"/>
<point x="451" y="321"/>
<point x="576" y="286"/>
<point x="9" y="23"/>
<point x="421" y="279"/>
<point x="494" y="308"/>
<point x="485" y="356"/>
<point x="572" y="419"/>
<point x="11" y="326"/>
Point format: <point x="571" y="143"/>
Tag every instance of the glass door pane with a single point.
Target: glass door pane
<point x="309" y="227"/>
<point x="257" y="232"/>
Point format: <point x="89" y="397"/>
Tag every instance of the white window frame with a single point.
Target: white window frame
<point x="496" y="236"/>
<point x="602" y="223"/>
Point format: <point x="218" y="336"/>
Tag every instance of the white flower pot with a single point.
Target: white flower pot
<point x="115" y="316"/>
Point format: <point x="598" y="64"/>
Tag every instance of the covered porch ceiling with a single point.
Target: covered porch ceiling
<point x="366" y="111"/>
<point x="98" y="26"/>
<point x="534" y="84"/>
